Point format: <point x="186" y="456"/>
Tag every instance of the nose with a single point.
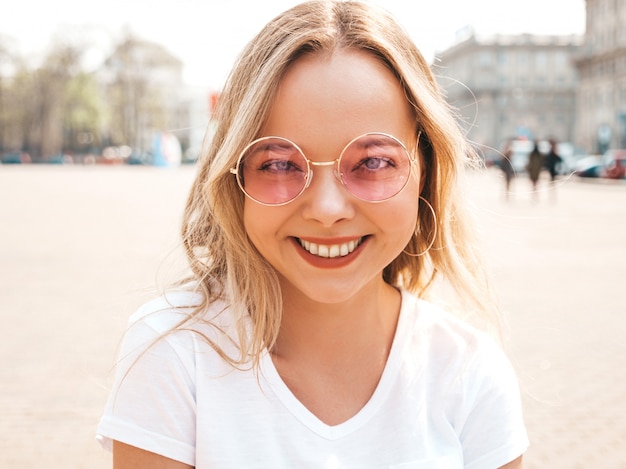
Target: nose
<point x="326" y="200"/>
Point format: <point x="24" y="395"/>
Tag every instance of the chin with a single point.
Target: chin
<point x="332" y="292"/>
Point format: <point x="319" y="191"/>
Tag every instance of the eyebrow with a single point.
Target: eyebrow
<point x="369" y="141"/>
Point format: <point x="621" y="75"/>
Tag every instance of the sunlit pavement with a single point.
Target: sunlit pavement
<point x="559" y="264"/>
<point x="81" y="247"/>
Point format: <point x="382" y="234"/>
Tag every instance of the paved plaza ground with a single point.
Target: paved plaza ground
<point x="82" y="247"/>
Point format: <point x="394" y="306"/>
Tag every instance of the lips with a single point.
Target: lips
<point x="330" y="250"/>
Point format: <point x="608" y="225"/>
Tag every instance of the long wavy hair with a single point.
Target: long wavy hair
<point x="225" y="264"/>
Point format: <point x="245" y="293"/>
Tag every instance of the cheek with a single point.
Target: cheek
<point x="252" y="223"/>
<point x="261" y="223"/>
<point x="407" y="220"/>
<point x="401" y="216"/>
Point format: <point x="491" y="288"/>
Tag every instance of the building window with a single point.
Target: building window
<point x="541" y="59"/>
<point x="598" y="98"/>
<point x="522" y="58"/>
<point x="597" y="70"/>
<point x="485" y="59"/>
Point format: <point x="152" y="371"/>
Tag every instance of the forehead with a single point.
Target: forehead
<point x="337" y="96"/>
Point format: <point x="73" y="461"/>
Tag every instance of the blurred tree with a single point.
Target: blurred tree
<point x="40" y="107"/>
<point x="51" y="83"/>
<point x="83" y="114"/>
<point x="20" y="111"/>
<point x="7" y="69"/>
<point x="32" y="102"/>
<point x="57" y="107"/>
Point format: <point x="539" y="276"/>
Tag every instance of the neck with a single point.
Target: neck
<point x="330" y="331"/>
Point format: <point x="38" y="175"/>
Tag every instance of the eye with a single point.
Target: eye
<point x="373" y="156"/>
<point x="279" y="166"/>
<point x="375" y="163"/>
<point x="275" y="158"/>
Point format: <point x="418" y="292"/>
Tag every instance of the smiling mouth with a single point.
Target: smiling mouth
<point x="330" y="250"/>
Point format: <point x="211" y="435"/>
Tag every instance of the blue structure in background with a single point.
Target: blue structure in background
<point x="166" y="150"/>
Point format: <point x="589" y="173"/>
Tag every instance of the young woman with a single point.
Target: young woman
<point x="324" y="209"/>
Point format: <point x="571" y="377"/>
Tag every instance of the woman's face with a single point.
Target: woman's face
<point x="323" y="102"/>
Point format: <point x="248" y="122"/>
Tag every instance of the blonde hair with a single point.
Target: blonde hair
<point x="225" y="264"/>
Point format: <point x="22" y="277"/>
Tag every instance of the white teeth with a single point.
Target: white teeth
<point x="345" y="249"/>
<point x="332" y="250"/>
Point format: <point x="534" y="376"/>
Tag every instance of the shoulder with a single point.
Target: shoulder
<point x="176" y="324"/>
<point x="471" y="383"/>
<point x="443" y="327"/>
<point x="166" y="309"/>
<point x="451" y="343"/>
<point x="175" y="308"/>
<point x="165" y="336"/>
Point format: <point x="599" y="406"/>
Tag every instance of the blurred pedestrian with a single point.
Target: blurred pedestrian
<point x="553" y="161"/>
<point x="534" y="167"/>
<point x="506" y="165"/>
<point x="305" y="337"/>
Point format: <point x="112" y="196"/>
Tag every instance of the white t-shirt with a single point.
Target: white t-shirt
<point x="448" y="398"/>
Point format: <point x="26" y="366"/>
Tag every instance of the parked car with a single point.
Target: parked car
<point x="614" y="164"/>
<point x="589" y="167"/>
<point x="15" y="158"/>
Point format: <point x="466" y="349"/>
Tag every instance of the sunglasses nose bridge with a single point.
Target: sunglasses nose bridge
<point x="323" y="163"/>
<point x="336" y="170"/>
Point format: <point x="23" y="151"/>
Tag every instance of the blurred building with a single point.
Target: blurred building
<point x="512" y="86"/>
<point x="601" y="63"/>
<point x="197" y="102"/>
<point x="144" y="90"/>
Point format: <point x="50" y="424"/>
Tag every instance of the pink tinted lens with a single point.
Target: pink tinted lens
<point x="272" y="171"/>
<point x="375" y="167"/>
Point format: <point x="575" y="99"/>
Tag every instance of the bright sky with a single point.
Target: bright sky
<point x="207" y="35"/>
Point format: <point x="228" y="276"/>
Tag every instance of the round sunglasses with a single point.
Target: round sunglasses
<point x="274" y="171"/>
